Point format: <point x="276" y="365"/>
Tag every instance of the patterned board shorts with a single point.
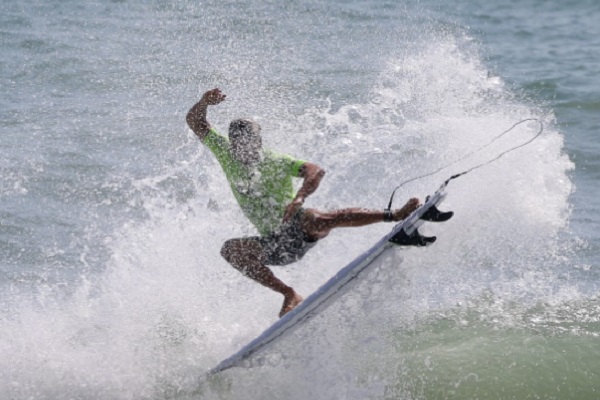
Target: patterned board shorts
<point x="287" y="244"/>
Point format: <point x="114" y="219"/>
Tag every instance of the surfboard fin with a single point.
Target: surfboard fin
<point x="435" y="215"/>
<point x="414" y="239"/>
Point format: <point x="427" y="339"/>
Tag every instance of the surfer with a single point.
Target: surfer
<point x="261" y="181"/>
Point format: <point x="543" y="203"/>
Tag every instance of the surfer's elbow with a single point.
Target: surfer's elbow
<point x="200" y="128"/>
<point x="310" y="170"/>
<point x="318" y="174"/>
<point x="321" y="173"/>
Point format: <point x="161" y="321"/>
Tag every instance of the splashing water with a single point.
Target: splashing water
<point x="162" y="307"/>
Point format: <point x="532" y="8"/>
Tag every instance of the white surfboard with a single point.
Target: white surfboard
<point x="404" y="233"/>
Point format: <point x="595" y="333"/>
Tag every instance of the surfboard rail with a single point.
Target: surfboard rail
<point x="404" y="233"/>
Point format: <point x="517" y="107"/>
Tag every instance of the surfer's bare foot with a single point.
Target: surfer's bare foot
<point x="410" y="206"/>
<point x="290" y="302"/>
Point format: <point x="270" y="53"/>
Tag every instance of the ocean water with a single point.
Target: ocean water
<point x="112" y="214"/>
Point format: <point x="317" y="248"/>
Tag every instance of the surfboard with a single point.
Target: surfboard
<point x="404" y="233"/>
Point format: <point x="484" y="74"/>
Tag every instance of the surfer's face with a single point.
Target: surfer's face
<point x="247" y="149"/>
<point x="246" y="142"/>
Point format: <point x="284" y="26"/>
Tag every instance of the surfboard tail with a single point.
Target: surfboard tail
<point x="409" y="234"/>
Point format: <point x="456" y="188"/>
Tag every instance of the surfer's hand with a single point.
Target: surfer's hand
<point x="293" y="208"/>
<point x="213" y="97"/>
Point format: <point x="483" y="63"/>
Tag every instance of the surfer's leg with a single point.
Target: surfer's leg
<point x="247" y="256"/>
<point x="317" y="224"/>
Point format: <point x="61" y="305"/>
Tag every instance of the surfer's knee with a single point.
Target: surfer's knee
<point x="229" y="249"/>
<point x="240" y="251"/>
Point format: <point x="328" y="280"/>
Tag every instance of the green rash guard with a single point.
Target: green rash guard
<point x="263" y="191"/>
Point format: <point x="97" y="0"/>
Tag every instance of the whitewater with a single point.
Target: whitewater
<point x="112" y="213"/>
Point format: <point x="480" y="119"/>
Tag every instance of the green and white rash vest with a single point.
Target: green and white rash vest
<point x="263" y="190"/>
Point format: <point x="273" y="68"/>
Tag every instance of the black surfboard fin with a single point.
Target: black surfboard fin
<point x="414" y="239"/>
<point x="435" y="215"/>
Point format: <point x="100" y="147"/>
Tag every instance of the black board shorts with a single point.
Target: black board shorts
<point x="287" y="244"/>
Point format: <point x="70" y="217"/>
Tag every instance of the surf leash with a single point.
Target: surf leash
<point x="388" y="209"/>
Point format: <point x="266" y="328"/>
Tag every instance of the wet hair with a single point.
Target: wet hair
<point x="241" y="127"/>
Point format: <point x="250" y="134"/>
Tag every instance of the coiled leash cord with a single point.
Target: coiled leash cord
<point x="389" y="208"/>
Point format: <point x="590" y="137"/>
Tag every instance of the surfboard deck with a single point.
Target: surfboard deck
<point x="404" y="233"/>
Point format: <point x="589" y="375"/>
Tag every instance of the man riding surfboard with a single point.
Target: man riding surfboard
<point x="261" y="182"/>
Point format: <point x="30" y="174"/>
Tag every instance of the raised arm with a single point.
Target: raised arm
<point x="312" y="175"/>
<point x="196" y="117"/>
